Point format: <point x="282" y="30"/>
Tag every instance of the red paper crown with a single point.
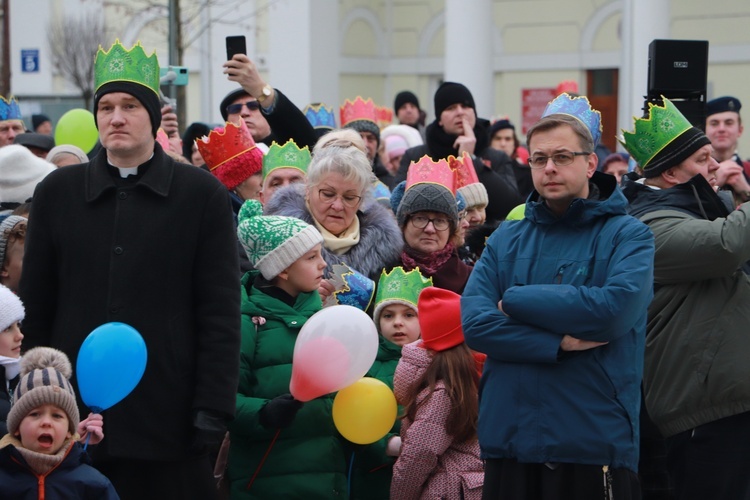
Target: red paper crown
<point x="464" y="169"/>
<point x="231" y="154"/>
<point x="358" y="110"/>
<point x="225" y="143"/>
<point x="429" y="171"/>
<point x="384" y="116"/>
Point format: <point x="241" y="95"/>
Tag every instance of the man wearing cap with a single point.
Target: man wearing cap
<point x="408" y="111"/>
<point x="456" y="130"/>
<point x="39" y="144"/>
<point x="696" y="378"/>
<point x="270" y="115"/>
<point x="11" y="123"/>
<point x="724" y="128"/>
<point x="134" y="237"/>
<point x="557" y="302"/>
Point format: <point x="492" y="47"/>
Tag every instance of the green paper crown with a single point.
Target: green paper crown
<point x="663" y="125"/>
<point x="287" y="156"/>
<point x="120" y="65"/>
<point x="400" y="286"/>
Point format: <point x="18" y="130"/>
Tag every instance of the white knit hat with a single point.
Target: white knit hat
<point x="20" y="172"/>
<point x="475" y="195"/>
<point x="44" y="380"/>
<point x="273" y="242"/>
<point x="11" y="308"/>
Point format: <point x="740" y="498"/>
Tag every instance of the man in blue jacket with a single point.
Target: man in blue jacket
<point x="558" y="303"/>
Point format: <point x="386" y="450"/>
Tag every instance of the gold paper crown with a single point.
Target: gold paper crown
<point x="223" y="144"/>
<point x="120" y="65"/>
<point x="663" y="125"/>
<point x="358" y="110"/>
<point x="426" y="170"/>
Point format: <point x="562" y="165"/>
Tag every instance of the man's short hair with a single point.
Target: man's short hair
<point x="553" y="121"/>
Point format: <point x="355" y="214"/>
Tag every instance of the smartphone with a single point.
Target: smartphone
<point x="235" y="45"/>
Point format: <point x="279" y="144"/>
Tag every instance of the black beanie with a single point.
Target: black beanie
<point x="145" y="95"/>
<point x="501" y="125"/>
<point x="450" y="93"/>
<point x="676" y="152"/>
<point x="196" y="130"/>
<point x="405" y="97"/>
<point x="37" y="120"/>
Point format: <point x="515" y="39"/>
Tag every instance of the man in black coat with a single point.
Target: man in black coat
<point x="457" y="129"/>
<point x="134" y="237"/>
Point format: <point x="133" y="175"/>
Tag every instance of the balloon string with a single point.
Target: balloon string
<point x="263" y="460"/>
<point x="86" y="444"/>
<point x="349" y="479"/>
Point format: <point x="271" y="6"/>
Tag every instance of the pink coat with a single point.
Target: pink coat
<point x="431" y="466"/>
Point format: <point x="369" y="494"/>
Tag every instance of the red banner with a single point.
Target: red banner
<point x="533" y="103"/>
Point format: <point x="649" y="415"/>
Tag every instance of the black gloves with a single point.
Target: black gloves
<point x="209" y="430"/>
<point x="279" y="412"/>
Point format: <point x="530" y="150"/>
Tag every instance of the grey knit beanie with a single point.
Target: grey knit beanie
<point x="427" y="197"/>
<point x="44" y="380"/>
<point x="7" y="225"/>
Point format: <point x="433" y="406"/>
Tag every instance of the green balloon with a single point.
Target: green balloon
<point x="77" y="127"/>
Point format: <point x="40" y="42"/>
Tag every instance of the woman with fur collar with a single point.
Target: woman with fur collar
<point x="337" y="199"/>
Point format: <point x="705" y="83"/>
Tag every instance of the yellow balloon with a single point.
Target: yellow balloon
<point x="365" y="411"/>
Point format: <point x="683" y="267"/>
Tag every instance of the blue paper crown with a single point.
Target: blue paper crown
<point x="319" y="116"/>
<point x="358" y="292"/>
<point x="380" y="191"/>
<point x="580" y="108"/>
<point x="9" y="109"/>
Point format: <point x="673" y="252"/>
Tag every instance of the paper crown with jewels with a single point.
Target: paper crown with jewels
<point x="231" y="153"/>
<point x="9" y="109"/>
<point x="358" y="110"/>
<point x="320" y="116"/>
<point x="351" y="288"/>
<point x="651" y="135"/>
<point x="427" y="170"/>
<point x="466" y="181"/>
<point x="287" y="156"/>
<point x="384" y="116"/>
<point x="399" y="287"/>
<point x="120" y="65"/>
<point x="579" y="108"/>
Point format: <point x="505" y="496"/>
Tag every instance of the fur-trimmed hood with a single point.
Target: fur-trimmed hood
<point x="380" y="239"/>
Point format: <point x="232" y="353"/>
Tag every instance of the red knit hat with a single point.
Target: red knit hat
<point x="440" y="318"/>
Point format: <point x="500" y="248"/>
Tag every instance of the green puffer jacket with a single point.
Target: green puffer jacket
<point x="373" y="469"/>
<point x="308" y="459"/>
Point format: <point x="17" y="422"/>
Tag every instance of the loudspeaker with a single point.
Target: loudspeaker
<point x="677" y="68"/>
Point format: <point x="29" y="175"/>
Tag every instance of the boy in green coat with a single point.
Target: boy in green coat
<point x="395" y="317"/>
<point x="303" y="452"/>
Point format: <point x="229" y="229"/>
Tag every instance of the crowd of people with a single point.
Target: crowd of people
<point x="554" y="323"/>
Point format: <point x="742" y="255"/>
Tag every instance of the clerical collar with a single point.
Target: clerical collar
<point x="126" y="172"/>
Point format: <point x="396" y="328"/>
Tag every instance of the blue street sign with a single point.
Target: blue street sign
<point x="30" y="60"/>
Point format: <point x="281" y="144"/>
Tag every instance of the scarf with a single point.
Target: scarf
<point x="440" y="143"/>
<point x="40" y="463"/>
<point x="428" y="263"/>
<point x="12" y="366"/>
<point x="338" y="244"/>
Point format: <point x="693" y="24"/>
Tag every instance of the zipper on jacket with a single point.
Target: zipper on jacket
<point x="561" y="271"/>
<point x="607" y="478"/>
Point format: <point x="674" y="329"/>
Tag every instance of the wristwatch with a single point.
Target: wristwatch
<point x="265" y="93"/>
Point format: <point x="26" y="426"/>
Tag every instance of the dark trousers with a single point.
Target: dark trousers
<point x="151" y="480"/>
<point x="712" y="460"/>
<point x="506" y="479"/>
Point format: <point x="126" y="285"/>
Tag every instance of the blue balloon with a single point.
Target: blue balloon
<point x="111" y="362"/>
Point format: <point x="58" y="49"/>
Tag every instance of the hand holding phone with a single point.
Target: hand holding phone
<point x="235" y="45"/>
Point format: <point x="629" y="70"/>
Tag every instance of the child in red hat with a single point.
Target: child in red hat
<point x="436" y="382"/>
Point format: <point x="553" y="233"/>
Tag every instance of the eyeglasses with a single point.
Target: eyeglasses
<point x="559" y="159"/>
<point x="233" y="109"/>
<point x="328" y="197"/>
<point x="439" y="223"/>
